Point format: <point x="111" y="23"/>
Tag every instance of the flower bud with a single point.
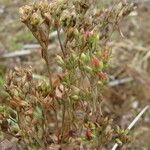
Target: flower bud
<point x="75" y="57"/>
<point x="76" y="32"/>
<point x="99" y="53"/>
<point x="25" y="12"/>
<point x="95" y="62"/>
<point x="102" y="76"/>
<point x="75" y="97"/>
<point x="96" y="36"/>
<point x="88" y="69"/>
<point x="60" y="61"/>
<point x="75" y="90"/>
<point x="36" y="6"/>
<point x="47" y="17"/>
<point x="84" y="58"/>
<point x="35" y="20"/>
<point x="43" y="6"/>
<point x="101" y="65"/>
<point x="88" y="134"/>
<point x="98" y="13"/>
<point x="16" y="93"/>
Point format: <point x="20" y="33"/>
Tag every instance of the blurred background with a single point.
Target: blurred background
<point x="129" y="88"/>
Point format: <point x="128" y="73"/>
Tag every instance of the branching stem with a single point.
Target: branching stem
<point x="45" y="56"/>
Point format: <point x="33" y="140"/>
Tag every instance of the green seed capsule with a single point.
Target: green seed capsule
<point x="75" y="90"/>
<point x="75" y="97"/>
<point x="88" y="69"/>
<point x="60" y="61"/>
<point x="84" y="58"/>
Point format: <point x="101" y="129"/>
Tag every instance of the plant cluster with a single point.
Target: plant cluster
<point x="67" y="109"/>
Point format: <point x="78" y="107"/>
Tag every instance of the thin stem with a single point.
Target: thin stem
<point x="55" y="111"/>
<point x="133" y="122"/>
<point x="95" y="96"/>
<point x="45" y="56"/>
<point x="63" y="121"/>
<point x="61" y="45"/>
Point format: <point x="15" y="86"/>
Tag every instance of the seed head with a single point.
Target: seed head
<point x="25" y="12"/>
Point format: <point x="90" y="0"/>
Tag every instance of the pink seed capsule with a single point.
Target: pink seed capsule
<point x="102" y="76"/>
<point x="88" y="133"/>
<point x="95" y="62"/>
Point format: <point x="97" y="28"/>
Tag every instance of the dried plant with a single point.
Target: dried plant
<point x="68" y="108"/>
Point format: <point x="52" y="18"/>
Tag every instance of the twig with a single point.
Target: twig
<point x="138" y="1"/>
<point x="133" y="123"/>
<point x="27" y="49"/>
<point x="16" y="54"/>
<point x="118" y="82"/>
<point x="31" y="46"/>
<point x="54" y="34"/>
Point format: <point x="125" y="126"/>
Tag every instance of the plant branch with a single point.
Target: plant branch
<point x="45" y="56"/>
<point x="133" y="123"/>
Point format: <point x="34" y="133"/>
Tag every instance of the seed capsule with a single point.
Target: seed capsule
<point x="25" y="12"/>
<point x="102" y="76"/>
<point x="75" y="97"/>
<point x="84" y="58"/>
<point x="88" y="69"/>
<point x="60" y="61"/>
<point x="95" y="62"/>
<point x="35" y="20"/>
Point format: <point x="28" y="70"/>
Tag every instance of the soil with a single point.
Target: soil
<point x="131" y="58"/>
